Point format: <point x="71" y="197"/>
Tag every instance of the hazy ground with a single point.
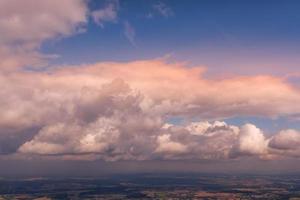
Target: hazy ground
<point x="154" y="186"/>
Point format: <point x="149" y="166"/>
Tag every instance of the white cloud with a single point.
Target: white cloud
<point x="252" y="141"/>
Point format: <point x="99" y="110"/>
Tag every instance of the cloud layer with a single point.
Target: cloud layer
<point x="119" y="111"/>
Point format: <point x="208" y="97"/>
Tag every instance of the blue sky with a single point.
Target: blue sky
<point x="238" y="37"/>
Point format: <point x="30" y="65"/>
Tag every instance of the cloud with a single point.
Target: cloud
<point x="285" y="143"/>
<point x="24" y="25"/>
<point x="14" y="57"/>
<point x="110" y="139"/>
<point x="166" y="145"/>
<point x="118" y="111"/>
<point x="76" y="120"/>
<point x="107" y="121"/>
<point x="287" y="139"/>
<point x="251" y="141"/>
<point x="38" y="93"/>
<point x="129" y="32"/>
<point x="149" y="15"/>
<point x="206" y="98"/>
<point x="110" y="14"/>
<point x="107" y="14"/>
<point x="208" y="140"/>
<point x="162" y="9"/>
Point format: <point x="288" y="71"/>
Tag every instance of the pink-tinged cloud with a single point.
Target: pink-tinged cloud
<point x="24" y="25"/>
<point x="183" y="90"/>
<point x="119" y="111"/>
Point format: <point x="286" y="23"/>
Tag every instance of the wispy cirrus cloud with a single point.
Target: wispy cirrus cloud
<point x="163" y="9"/>
<point x="107" y="14"/>
<point x="129" y="32"/>
<point x="110" y="14"/>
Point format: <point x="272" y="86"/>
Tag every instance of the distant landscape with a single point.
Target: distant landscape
<point x="154" y="186"/>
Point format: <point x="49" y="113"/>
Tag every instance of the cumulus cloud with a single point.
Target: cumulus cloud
<point x="110" y="139"/>
<point x="285" y="143"/>
<point x="107" y="14"/>
<point x="119" y="111"/>
<point x="24" y="25"/>
<point x="107" y="121"/>
<point x="287" y="139"/>
<point x="166" y="145"/>
<point x="209" y="140"/>
<point x="252" y="141"/>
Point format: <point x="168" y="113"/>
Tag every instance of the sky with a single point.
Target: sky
<point x="149" y="85"/>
